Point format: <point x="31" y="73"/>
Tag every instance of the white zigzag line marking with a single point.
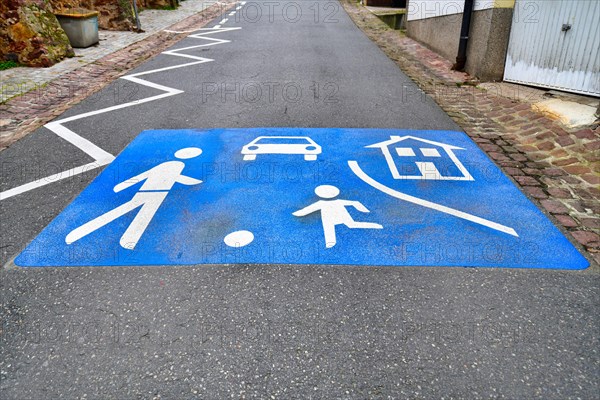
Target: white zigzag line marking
<point x="100" y="156"/>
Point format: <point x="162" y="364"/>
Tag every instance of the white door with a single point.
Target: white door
<point x="555" y="44"/>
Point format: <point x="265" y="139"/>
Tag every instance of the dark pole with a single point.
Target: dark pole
<point x="138" y="25"/>
<point x="461" y="57"/>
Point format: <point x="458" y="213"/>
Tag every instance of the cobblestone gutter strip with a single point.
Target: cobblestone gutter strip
<point x="558" y="168"/>
<point x="23" y="114"/>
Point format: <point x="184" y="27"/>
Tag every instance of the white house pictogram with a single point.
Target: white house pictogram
<point x="425" y="153"/>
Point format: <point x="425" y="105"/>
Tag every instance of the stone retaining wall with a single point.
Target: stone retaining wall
<point x="30" y="34"/>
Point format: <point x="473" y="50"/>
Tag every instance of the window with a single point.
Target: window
<point x="428" y="152"/>
<point x="405" y="152"/>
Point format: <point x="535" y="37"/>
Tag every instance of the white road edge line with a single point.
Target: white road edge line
<point x="101" y="157"/>
<point x="53" y="178"/>
<point x="424" y="203"/>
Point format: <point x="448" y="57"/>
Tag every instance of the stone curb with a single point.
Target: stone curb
<point x="558" y="169"/>
<point x="23" y="114"/>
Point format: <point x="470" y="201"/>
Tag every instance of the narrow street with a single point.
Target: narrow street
<point x="175" y="325"/>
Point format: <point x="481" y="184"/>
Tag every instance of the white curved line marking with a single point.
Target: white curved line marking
<point x="438" y="207"/>
<point x="100" y="156"/>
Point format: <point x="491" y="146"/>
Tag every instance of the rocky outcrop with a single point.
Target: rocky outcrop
<point x="115" y="15"/>
<point x="59" y="5"/>
<point x="158" y="4"/>
<point x="118" y="14"/>
<point x="30" y="34"/>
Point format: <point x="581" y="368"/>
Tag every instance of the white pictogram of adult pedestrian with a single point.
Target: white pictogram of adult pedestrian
<point x="158" y="181"/>
<point x="333" y="213"/>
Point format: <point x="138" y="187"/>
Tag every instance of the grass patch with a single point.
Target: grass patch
<point x="7" y="65"/>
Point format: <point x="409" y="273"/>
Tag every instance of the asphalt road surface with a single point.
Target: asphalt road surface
<point x="274" y="331"/>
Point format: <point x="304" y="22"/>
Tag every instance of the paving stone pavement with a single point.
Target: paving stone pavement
<point x="17" y="81"/>
<point x="558" y="168"/>
<point x="23" y="114"/>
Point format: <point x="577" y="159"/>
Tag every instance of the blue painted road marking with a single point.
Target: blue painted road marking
<point x="302" y="196"/>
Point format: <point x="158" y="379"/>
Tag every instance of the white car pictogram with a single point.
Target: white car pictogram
<point x="282" y="145"/>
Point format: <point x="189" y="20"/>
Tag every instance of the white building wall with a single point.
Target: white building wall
<point x="422" y="9"/>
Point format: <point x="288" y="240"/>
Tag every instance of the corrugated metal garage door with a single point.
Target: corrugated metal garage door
<point x="556" y="44"/>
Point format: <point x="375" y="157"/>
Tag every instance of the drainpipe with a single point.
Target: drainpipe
<point x="461" y="57"/>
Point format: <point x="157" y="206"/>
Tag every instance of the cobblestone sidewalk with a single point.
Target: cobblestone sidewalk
<point x="558" y="168"/>
<point x="23" y="114"/>
<point x="17" y="81"/>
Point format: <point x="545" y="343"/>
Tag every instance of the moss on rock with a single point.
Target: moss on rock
<point x="31" y="35"/>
